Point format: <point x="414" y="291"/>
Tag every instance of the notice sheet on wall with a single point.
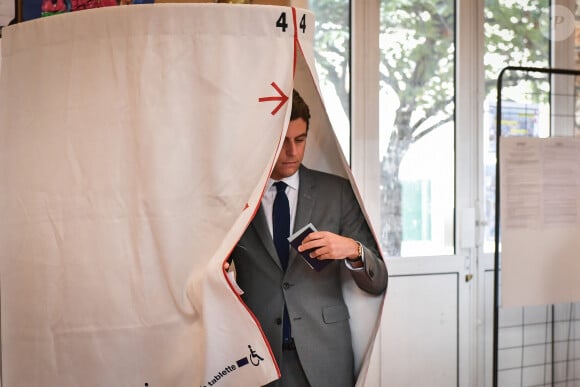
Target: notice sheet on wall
<point x="539" y="220"/>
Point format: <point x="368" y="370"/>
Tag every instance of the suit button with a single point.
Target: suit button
<point x="371" y="273"/>
<point x="286" y="285"/>
<point x="278" y="321"/>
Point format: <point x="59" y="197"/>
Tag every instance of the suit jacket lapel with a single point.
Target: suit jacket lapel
<point x="304" y="206"/>
<point x="261" y="226"/>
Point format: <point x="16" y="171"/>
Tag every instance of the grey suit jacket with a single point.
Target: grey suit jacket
<point x="318" y="314"/>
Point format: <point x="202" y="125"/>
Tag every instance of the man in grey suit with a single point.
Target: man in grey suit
<point x="302" y="311"/>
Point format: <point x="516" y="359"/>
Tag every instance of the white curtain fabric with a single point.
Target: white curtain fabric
<point x="7" y="12"/>
<point x="134" y="151"/>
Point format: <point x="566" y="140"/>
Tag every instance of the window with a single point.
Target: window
<point x="332" y="54"/>
<point x="417" y="140"/>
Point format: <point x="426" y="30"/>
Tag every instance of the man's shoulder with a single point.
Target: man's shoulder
<point x="321" y="177"/>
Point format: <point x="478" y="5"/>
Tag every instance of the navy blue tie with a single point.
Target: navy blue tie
<point x="281" y="223"/>
<point x="281" y="231"/>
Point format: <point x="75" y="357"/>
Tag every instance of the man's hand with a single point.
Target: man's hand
<point x="328" y="245"/>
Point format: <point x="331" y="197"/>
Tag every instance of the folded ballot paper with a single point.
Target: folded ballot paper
<point x="296" y="240"/>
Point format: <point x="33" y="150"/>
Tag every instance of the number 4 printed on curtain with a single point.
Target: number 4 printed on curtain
<point x="282" y="23"/>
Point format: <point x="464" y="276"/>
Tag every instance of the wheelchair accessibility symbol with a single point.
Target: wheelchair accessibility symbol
<point x="254" y="357"/>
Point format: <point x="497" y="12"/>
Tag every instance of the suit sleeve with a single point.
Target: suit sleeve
<point x="374" y="278"/>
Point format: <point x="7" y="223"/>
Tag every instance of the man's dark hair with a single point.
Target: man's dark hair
<point x="299" y="109"/>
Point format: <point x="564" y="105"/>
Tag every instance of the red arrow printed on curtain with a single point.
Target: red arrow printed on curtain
<point x="280" y="97"/>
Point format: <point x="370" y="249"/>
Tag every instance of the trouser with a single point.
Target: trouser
<point x="292" y="371"/>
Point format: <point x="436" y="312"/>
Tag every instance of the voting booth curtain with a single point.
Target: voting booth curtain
<point x="135" y="144"/>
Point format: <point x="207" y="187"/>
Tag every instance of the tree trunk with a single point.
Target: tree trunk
<point x="392" y="199"/>
<point x="391" y="209"/>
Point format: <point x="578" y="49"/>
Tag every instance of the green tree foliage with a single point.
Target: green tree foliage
<point x="516" y="34"/>
<point x="332" y="45"/>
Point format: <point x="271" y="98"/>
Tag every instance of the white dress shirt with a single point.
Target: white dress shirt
<point x="270" y="195"/>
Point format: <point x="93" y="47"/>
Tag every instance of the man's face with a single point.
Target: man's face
<point x="292" y="151"/>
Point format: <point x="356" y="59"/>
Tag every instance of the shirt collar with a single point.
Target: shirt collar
<point x="292" y="181"/>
